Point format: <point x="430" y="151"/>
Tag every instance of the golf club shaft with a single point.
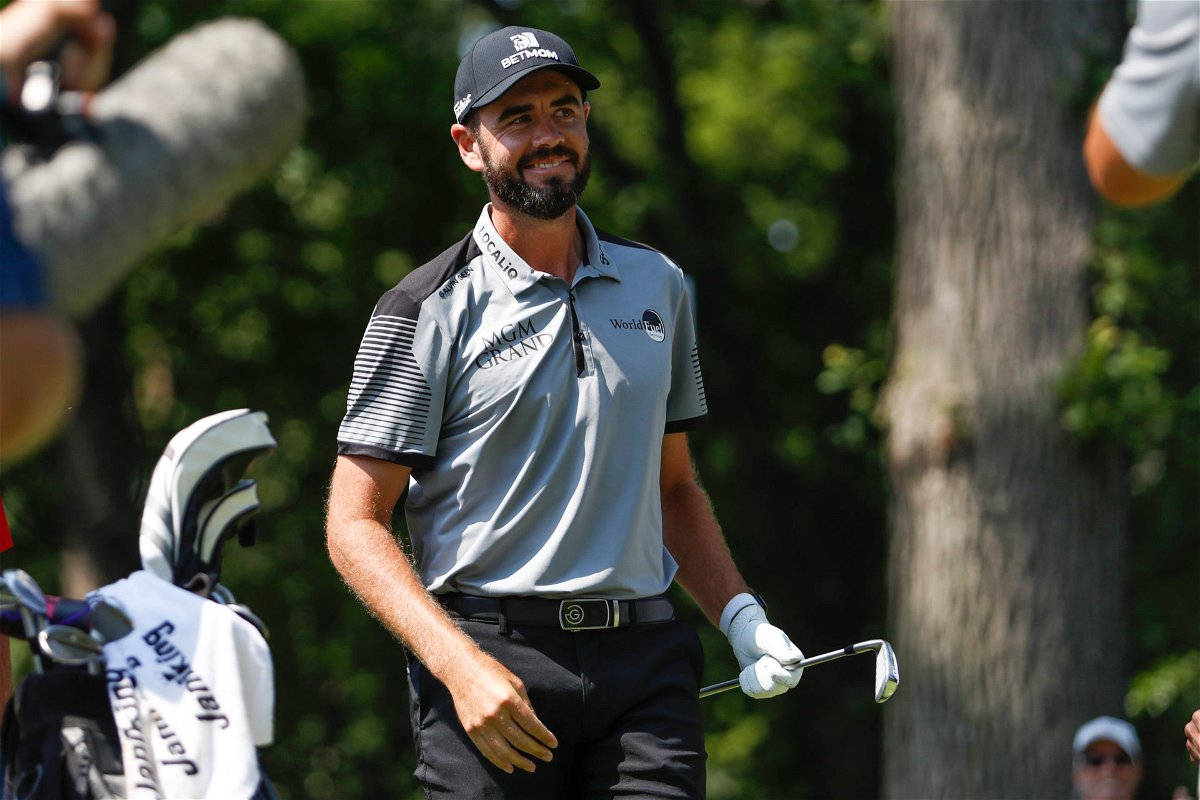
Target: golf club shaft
<point x="59" y="611"/>
<point x="832" y="655"/>
<point x="30" y="626"/>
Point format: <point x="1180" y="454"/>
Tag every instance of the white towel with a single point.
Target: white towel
<point x="192" y="691"/>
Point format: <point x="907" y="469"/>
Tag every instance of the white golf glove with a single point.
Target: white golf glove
<point x="762" y="650"/>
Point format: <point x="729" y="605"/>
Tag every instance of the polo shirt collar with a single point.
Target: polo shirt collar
<point x="517" y="274"/>
<point x="598" y="263"/>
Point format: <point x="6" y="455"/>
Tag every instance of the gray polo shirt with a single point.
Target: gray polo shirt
<point x="1151" y="105"/>
<point x="531" y="413"/>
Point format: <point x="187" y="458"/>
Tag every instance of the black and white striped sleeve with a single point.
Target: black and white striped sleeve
<point x="687" y="405"/>
<point x="394" y="407"/>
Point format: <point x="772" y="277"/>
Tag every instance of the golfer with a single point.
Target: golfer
<point x="531" y="388"/>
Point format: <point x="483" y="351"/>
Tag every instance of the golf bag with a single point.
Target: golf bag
<point x="147" y="688"/>
<point x="59" y="740"/>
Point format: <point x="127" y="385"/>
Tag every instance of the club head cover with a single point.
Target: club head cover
<point x="200" y="464"/>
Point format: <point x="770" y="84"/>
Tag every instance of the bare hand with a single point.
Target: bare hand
<point x="30" y="30"/>
<point x="496" y="713"/>
<point x="1192" y="732"/>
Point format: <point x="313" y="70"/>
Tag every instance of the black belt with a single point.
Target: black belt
<point x="570" y="614"/>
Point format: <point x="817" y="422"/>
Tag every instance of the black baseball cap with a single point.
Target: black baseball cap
<point x="503" y="57"/>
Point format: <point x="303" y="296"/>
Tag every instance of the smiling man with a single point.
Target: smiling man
<point x="530" y="389"/>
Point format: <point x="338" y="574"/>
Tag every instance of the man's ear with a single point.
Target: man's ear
<point x="468" y="146"/>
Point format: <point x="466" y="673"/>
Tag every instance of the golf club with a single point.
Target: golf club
<point x="32" y="604"/>
<point x="109" y="622"/>
<point x="69" y="646"/>
<point x="887" y="670"/>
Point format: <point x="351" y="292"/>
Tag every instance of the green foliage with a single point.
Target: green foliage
<point x="1115" y="391"/>
<point x="1161" y="698"/>
<point x="1172" y="681"/>
<point x="859" y="373"/>
<point x="761" y="160"/>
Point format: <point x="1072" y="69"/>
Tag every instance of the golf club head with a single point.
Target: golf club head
<point x="887" y="673"/>
<point x="25" y="590"/>
<point x="109" y="622"/>
<point x="69" y="646"/>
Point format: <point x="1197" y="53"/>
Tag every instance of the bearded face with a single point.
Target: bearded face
<point x="548" y="200"/>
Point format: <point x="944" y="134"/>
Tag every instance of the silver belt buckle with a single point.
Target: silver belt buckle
<point x="573" y="614"/>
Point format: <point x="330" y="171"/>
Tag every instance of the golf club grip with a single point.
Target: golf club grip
<point x="59" y="611"/>
<point x="192" y="125"/>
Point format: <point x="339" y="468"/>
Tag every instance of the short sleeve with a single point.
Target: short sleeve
<point x="1151" y="105"/>
<point x="397" y="393"/>
<point x="687" y="406"/>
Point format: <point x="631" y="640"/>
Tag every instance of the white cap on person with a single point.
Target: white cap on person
<point x="1111" y="729"/>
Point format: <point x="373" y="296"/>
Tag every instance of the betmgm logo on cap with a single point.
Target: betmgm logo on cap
<point x="526" y="45"/>
<point x="503" y="57"/>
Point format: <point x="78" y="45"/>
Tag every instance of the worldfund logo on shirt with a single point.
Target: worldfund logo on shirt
<point x="650" y="322"/>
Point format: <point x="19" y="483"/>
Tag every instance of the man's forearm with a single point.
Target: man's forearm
<point x="376" y="569"/>
<point x="490" y="701"/>
<point x="693" y="537"/>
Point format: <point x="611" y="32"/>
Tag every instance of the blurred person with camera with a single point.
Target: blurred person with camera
<point x="92" y="180"/>
<point x="40" y="355"/>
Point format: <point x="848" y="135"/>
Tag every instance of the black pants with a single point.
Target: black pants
<point x="623" y="704"/>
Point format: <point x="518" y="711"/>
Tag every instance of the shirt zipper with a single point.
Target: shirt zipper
<point x="577" y="337"/>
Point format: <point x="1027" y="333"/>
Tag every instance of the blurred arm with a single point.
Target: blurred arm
<point x="1192" y="732"/>
<point x="1115" y="178"/>
<point x="40" y="380"/>
<point x="30" y="29"/>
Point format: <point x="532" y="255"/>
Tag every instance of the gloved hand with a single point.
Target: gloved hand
<point x="762" y="650"/>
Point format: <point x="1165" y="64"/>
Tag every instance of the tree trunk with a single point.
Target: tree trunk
<point x="1007" y="560"/>
<point x="100" y="454"/>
